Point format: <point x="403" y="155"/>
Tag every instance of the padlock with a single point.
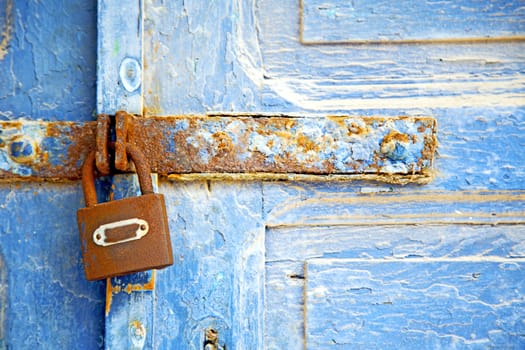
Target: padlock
<point x="126" y="235"/>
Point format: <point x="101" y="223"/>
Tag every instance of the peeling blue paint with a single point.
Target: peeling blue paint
<point x="48" y="71"/>
<point x="54" y="149"/>
<point x="182" y="125"/>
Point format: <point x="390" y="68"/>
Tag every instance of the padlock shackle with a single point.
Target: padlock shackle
<point x="141" y="166"/>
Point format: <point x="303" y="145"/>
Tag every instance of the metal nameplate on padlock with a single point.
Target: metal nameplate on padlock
<point x="126" y="235"/>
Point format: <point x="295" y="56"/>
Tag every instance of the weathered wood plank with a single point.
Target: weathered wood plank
<point x="216" y="280"/>
<point x="254" y="61"/>
<point x="436" y="303"/>
<point x="189" y="45"/>
<point x="410" y="21"/>
<point x="288" y="248"/>
<point x="414" y="206"/>
<point x="130" y="299"/>
<point x="119" y="56"/>
<point x="284" y="308"/>
<point x="426" y="241"/>
<point x="49" y="302"/>
<point x="378" y="79"/>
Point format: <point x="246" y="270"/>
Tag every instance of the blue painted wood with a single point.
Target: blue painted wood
<point x="3" y="302"/>
<point x="130" y="309"/>
<point x="119" y="56"/>
<point x="217" y="280"/>
<point x="209" y="54"/>
<point x="431" y="304"/>
<point x="243" y="56"/>
<point x="50" y="304"/>
<point x="48" y="66"/>
<point x="247" y="55"/>
<point x="189" y="45"/>
<point x="48" y="70"/>
<point x="130" y="299"/>
<point x="289" y="248"/>
<point x="364" y="21"/>
<point x="379" y="79"/>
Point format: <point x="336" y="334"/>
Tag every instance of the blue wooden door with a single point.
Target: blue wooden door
<point x="348" y="265"/>
<point x="300" y="264"/>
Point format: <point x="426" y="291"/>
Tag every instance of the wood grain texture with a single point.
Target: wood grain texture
<point x="378" y="79"/>
<point x="410" y="21"/>
<point x="436" y="304"/>
<point x="192" y="46"/>
<point x="403" y="207"/>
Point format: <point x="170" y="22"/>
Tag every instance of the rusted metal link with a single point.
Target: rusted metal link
<point x="88" y="180"/>
<point x="121" y="130"/>
<point x="141" y="166"/>
<point x="103" y="161"/>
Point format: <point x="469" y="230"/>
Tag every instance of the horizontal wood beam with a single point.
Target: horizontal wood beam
<point x="245" y="147"/>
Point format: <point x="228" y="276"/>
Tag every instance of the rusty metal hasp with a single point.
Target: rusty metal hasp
<point x="127" y="235"/>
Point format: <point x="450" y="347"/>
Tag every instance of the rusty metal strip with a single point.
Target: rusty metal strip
<point x="33" y="150"/>
<point x="392" y="149"/>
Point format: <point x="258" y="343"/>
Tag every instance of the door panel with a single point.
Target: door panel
<point x="385" y="78"/>
<point x="377" y="248"/>
<point x="362" y="21"/>
<point x="241" y="247"/>
<point x="217" y="233"/>
<point x="427" y="303"/>
<point x="249" y="56"/>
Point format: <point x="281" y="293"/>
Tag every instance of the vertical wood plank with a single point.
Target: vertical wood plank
<point x="119" y="56"/>
<point x="3" y="299"/>
<point x="130" y="299"/>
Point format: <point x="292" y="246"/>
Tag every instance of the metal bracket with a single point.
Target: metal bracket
<point x="240" y="147"/>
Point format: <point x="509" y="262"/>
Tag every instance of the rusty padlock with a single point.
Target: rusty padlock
<point x="126" y="235"/>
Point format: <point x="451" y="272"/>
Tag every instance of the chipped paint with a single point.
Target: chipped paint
<point x="137" y="334"/>
<point x="7" y="29"/>
<point x="123" y="285"/>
